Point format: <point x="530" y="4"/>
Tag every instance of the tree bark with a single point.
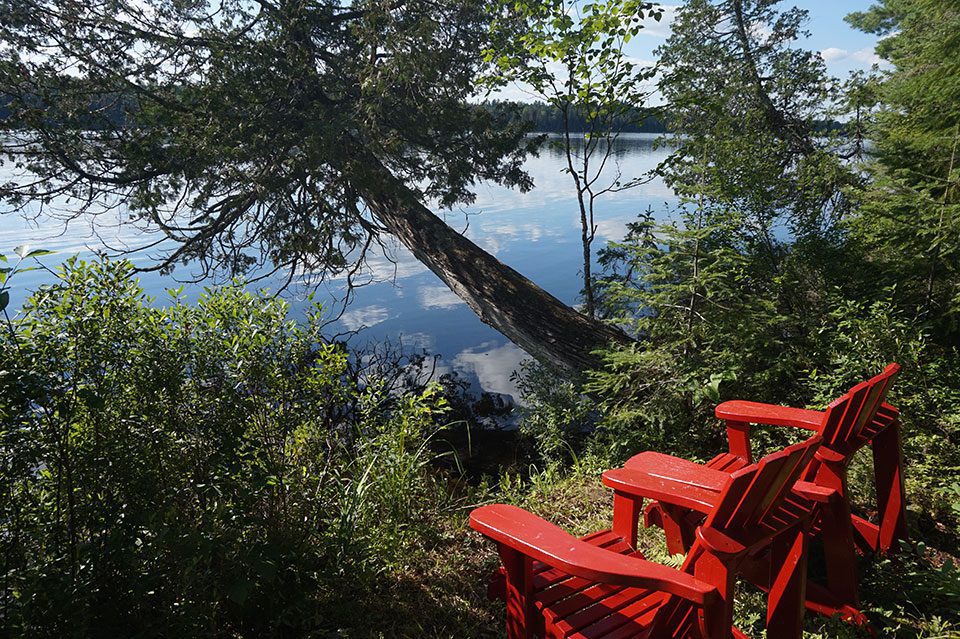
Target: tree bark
<point x="550" y="331"/>
<point x="789" y="128"/>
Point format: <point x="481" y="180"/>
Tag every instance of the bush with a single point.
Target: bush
<point x="706" y="320"/>
<point x="555" y="415"/>
<point x="857" y="338"/>
<point x="195" y="469"/>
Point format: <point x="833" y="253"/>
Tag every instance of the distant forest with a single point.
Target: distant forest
<point x="547" y="118"/>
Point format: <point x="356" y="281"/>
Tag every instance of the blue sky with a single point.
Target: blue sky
<point x="843" y="48"/>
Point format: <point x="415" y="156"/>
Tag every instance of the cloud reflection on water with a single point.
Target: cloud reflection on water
<point x="491" y="364"/>
<point x="364" y="317"/>
<point x="438" y="297"/>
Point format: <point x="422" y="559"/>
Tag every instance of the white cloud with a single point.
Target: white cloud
<point x="492" y="365"/>
<point x="831" y="54"/>
<point x="510" y="233"/>
<point x="489" y="243"/>
<point x="418" y="340"/>
<point x="639" y="63"/>
<point x="400" y="265"/>
<point x="661" y="29"/>
<point x="612" y="230"/>
<point x="761" y="30"/>
<point x="867" y="55"/>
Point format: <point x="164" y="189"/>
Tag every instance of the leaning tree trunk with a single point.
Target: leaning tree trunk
<point x="543" y="326"/>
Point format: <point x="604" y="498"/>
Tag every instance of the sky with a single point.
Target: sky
<point x="843" y="48"/>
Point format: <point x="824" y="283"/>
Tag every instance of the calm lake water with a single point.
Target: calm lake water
<point x="537" y="233"/>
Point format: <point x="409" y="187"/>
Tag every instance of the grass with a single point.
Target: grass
<point x="440" y="590"/>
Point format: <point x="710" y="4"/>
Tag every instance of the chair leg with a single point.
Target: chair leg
<point x="680" y="535"/>
<point x="717" y="620"/>
<point x="626" y="517"/>
<point x="891" y="497"/>
<point x="839" y="551"/>
<point x="839" y="543"/>
<point x="788" y="578"/>
<point x="519" y="582"/>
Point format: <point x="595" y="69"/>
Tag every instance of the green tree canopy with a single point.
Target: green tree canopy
<point x="748" y="101"/>
<point x="296" y="131"/>
<point x="243" y="122"/>
<point x="909" y="221"/>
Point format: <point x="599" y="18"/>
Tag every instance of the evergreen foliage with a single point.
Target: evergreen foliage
<point x="727" y="304"/>
<point x="249" y="131"/>
<point x="909" y="216"/>
<point x="747" y="102"/>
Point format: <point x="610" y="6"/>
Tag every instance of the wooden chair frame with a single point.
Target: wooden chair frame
<point x="859" y="418"/>
<point x="556" y="585"/>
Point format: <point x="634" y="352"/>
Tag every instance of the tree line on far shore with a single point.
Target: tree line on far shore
<point x="547" y="118"/>
<point x="540" y="116"/>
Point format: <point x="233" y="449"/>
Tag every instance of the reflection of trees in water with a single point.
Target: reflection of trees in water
<point x="625" y="144"/>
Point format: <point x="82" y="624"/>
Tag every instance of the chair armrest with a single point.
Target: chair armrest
<point x="814" y="492"/>
<point x="679" y="469"/>
<point x="768" y="414"/>
<point x="700" y="496"/>
<point x="718" y="542"/>
<point x="539" y="539"/>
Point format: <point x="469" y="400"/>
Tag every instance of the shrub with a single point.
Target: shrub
<point x="704" y="314"/>
<point x="193" y="470"/>
<point x="555" y="415"/>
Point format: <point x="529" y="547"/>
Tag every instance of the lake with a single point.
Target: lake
<point x="537" y="233"/>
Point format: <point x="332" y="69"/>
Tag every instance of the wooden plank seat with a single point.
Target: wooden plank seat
<point x="596" y="587"/>
<point x="556" y="585"/>
<point x="857" y="419"/>
<point x="577" y="607"/>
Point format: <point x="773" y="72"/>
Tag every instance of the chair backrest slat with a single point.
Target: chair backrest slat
<point x="869" y="409"/>
<point x="850" y="406"/>
<point x="848" y="415"/>
<point x="754" y="492"/>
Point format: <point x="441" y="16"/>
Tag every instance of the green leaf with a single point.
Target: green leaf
<point x="24" y="252"/>
<point x="91" y="399"/>
<point x="712" y="388"/>
<point x="4" y="299"/>
<point x="239" y="591"/>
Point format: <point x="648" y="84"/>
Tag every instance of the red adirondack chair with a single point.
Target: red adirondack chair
<point x="850" y="422"/>
<point x="599" y="586"/>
